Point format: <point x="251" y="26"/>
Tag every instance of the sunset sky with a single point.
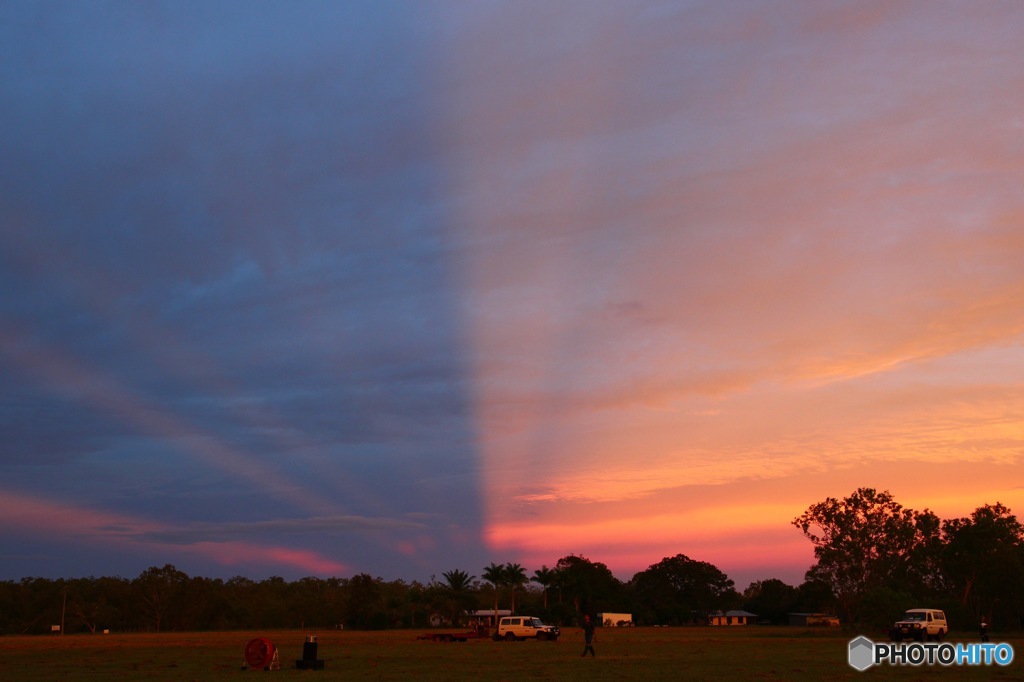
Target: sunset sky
<point x="322" y="288"/>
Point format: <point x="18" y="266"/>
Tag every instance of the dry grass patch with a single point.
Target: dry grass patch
<point x="622" y="654"/>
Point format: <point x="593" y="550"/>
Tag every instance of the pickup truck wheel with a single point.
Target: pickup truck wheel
<point x="939" y="635"/>
<point x="541" y="636"/>
<point x="510" y="637"/>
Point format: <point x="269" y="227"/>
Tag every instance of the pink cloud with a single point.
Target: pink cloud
<point x="250" y="554"/>
<point x="76" y="523"/>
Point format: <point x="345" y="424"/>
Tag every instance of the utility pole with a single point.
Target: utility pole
<point x="63" y="609"/>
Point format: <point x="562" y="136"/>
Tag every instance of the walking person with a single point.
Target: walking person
<point x="588" y="636"/>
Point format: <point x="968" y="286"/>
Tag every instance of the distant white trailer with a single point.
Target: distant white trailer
<point x="489" y="617"/>
<point x="615" y="620"/>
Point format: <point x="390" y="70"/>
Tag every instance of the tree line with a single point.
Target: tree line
<point x="874" y="559"/>
<point x="877" y="558"/>
<point x="677" y="590"/>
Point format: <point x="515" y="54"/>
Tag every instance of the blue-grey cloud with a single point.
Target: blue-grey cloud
<point x="221" y="532"/>
<point x="390" y="260"/>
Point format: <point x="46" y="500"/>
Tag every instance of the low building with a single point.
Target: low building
<point x="732" y="618"/>
<point x="813" y="620"/>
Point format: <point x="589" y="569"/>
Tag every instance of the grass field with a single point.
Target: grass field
<point x="697" y="653"/>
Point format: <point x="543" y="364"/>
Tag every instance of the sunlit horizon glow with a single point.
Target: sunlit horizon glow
<point x="623" y="280"/>
<point x="832" y="299"/>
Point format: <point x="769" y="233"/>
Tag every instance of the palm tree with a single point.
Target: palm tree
<point x="457" y="580"/>
<point x="458" y="598"/>
<point x="515" y="576"/>
<point x="545" y="577"/>
<point x="495" y="575"/>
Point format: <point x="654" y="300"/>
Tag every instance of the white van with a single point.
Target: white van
<point x="511" y="628"/>
<point x="920" y="624"/>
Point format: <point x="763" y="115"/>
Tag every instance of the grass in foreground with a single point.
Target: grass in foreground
<point x="697" y="653"/>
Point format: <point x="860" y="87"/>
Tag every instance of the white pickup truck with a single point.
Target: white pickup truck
<point x="920" y="624"/>
<point x="511" y="628"/>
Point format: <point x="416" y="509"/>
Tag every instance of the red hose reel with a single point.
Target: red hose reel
<point x="261" y="653"/>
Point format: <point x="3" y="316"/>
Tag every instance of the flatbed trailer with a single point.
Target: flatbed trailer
<point x="463" y="636"/>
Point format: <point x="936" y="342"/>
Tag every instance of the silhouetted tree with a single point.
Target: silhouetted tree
<point x="364" y="607"/>
<point x="160" y="591"/>
<point x="515" y="577"/>
<point x="240" y="603"/>
<point x="456" y="596"/>
<point x="416" y="597"/>
<point x="396" y="595"/>
<point x="868" y="540"/>
<point x="816" y="596"/>
<point x="679" y="589"/>
<point x="545" y="577"/>
<point x="881" y="606"/>
<point x="203" y="605"/>
<point x="314" y="601"/>
<point x="35" y="604"/>
<point x="983" y="558"/>
<point x="272" y="603"/>
<point x="495" y="575"/>
<point x="587" y="583"/>
<point x="458" y="581"/>
<point x="771" y="600"/>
